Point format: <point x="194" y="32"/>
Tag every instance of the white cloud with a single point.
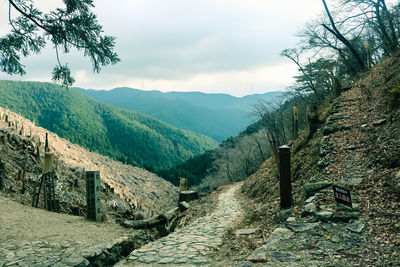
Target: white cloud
<point x="207" y="45"/>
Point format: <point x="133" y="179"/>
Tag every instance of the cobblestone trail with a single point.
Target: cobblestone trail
<point x="190" y="245"/>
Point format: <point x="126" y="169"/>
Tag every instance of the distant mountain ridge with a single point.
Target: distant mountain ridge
<point x="218" y="116"/>
<point x="122" y="134"/>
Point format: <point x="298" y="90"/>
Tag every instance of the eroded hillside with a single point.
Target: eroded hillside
<point x="126" y="186"/>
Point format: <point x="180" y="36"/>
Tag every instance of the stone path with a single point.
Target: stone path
<point x="190" y="245"/>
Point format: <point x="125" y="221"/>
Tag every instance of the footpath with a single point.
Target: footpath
<point x="35" y="237"/>
<point x="189" y="246"/>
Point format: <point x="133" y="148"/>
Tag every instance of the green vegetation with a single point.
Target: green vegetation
<point x="121" y="134"/>
<point x="218" y="116"/>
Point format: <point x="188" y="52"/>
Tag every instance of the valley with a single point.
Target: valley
<point x="218" y="116"/>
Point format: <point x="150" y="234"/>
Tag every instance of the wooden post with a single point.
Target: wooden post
<point x="285" y="177"/>
<point x="38" y="194"/>
<point x="2" y="174"/>
<point x="46" y="146"/>
<point x="24" y="165"/>
<point x="295" y="122"/>
<point x="93" y="196"/>
<point x="48" y="168"/>
<point x="183" y="184"/>
<point x="314" y="120"/>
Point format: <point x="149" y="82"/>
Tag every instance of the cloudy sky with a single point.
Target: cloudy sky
<point x="213" y="46"/>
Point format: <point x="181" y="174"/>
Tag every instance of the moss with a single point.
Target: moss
<point x="394" y="95"/>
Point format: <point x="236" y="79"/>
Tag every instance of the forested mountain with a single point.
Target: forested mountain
<point x="122" y="134"/>
<point x="218" y="116"/>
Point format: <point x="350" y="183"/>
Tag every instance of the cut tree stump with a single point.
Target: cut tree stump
<point x="188" y="195"/>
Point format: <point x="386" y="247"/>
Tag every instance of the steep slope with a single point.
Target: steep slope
<point x="121" y="184"/>
<point x="121" y="134"/>
<point x="355" y="147"/>
<point x="218" y="116"/>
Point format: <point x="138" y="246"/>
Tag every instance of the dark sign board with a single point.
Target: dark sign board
<point x="342" y="195"/>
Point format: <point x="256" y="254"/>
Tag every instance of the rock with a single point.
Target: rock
<point x="244" y="264"/>
<point x="356" y="227"/>
<point x="363" y="126"/>
<point x="83" y="263"/>
<point x="310" y="207"/>
<point x="379" y="122"/>
<point x="331" y="129"/>
<point x="279" y="234"/>
<point x="148" y="259"/>
<point x="345" y="216"/>
<point x="323" y="216"/>
<point x="301" y="227"/>
<point x="310" y="199"/>
<point x="183" y="206"/>
<point x="311" y="188"/>
<point x="166" y="260"/>
<point x="284" y="256"/>
<point x="188" y="195"/>
<point x="273" y="243"/>
<point x="246" y="232"/>
<point x="291" y="219"/>
<point x="350" y="147"/>
<point x="282" y="215"/>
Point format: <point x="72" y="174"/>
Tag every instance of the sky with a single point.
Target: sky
<point x="213" y="46"/>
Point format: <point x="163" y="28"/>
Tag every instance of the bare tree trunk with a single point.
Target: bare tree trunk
<point x="341" y="38"/>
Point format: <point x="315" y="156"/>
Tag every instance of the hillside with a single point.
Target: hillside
<point x="218" y="116"/>
<point x="356" y="147"/>
<point x="120" y="182"/>
<point x="121" y="134"/>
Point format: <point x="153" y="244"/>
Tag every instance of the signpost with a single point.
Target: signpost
<point x="342" y="195"/>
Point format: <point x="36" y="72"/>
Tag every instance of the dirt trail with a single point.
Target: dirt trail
<point x="35" y="237"/>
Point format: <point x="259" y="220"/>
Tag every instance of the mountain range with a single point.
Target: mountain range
<point x="122" y="134"/>
<point x="218" y="116"/>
